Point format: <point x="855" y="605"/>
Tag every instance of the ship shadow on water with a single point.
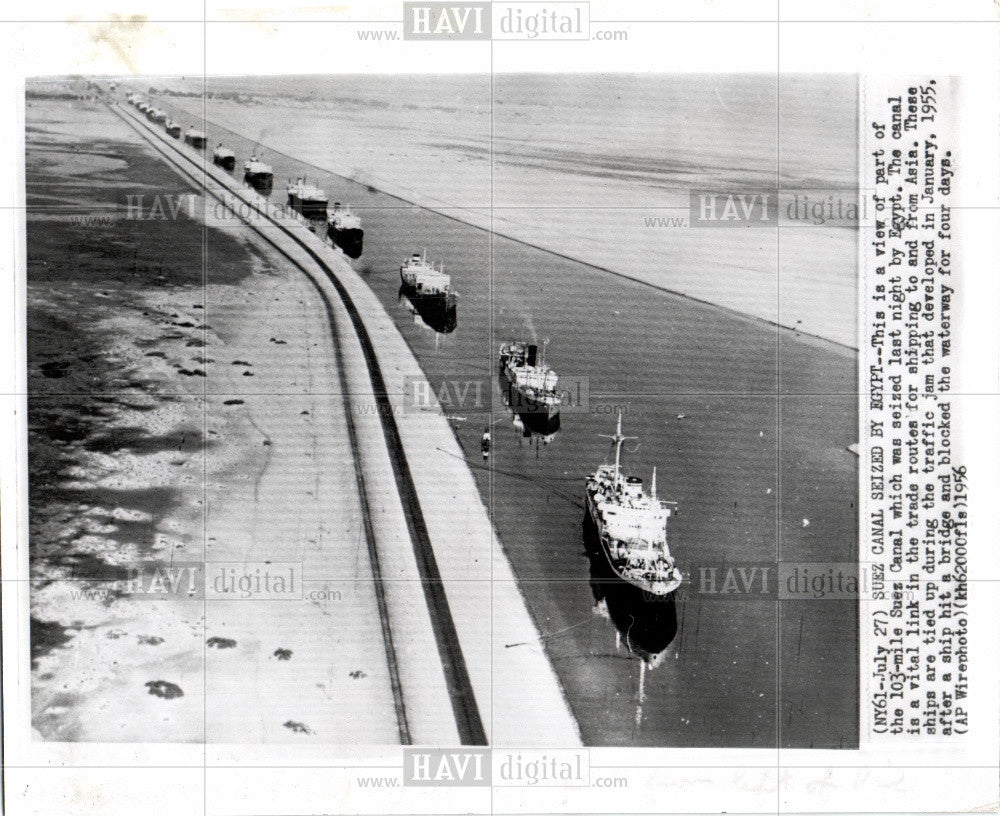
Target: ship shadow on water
<point x="433" y="312"/>
<point x="645" y="623"/>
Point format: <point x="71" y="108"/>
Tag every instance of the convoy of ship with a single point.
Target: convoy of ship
<point x="343" y="227"/>
<point x="633" y="574"/>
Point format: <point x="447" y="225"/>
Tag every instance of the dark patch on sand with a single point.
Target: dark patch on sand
<point x="140" y="441"/>
<point x="220" y="643"/>
<point x="88" y="569"/>
<point x="46" y="636"/>
<point x="56" y="369"/>
<point x="165" y="689"/>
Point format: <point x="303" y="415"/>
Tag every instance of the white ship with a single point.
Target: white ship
<point x="308" y="199"/>
<point x="631" y="526"/>
<point x="344" y="229"/>
<point x="533" y="387"/>
<point x="421" y="281"/>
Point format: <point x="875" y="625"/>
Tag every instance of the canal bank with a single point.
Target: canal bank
<point x="517" y="697"/>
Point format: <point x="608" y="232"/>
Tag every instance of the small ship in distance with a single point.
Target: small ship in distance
<point x="532" y="386"/>
<point x="224" y="158"/>
<point x="307" y="199"/>
<point x="258" y="175"/>
<point x="344" y="230"/>
<point x="195" y="138"/>
<point x="631" y="526"/>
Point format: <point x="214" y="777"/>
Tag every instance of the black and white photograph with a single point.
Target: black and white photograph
<point x="431" y="426"/>
<point x="652" y="402"/>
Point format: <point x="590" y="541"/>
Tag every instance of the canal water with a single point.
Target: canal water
<point x="747" y="425"/>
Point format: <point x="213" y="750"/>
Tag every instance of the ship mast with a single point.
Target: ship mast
<point x="618" y="439"/>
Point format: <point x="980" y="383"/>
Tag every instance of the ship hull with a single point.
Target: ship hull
<point x="446" y="299"/>
<point x="309" y="207"/>
<point x="226" y="162"/>
<point x="350" y="241"/>
<point x="648" y="589"/>
<point x="434" y="311"/>
<point x="541" y="424"/>
<point x="261" y="182"/>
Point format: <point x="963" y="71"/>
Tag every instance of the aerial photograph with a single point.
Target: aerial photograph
<point x="442" y="409"/>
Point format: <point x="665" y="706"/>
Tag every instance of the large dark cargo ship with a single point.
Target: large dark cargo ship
<point x="344" y="229"/>
<point x="307" y="199"/>
<point x="258" y="175"/>
<point x="425" y="285"/>
<point x="224" y="158"/>
<point x="532" y="387"/>
<point x="195" y="138"/>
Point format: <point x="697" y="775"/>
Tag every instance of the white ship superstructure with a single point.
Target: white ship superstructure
<point x="631" y="525"/>
<point x="534" y="386"/>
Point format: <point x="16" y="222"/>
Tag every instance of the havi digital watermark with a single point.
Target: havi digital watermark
<point x="557" y="20"/>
